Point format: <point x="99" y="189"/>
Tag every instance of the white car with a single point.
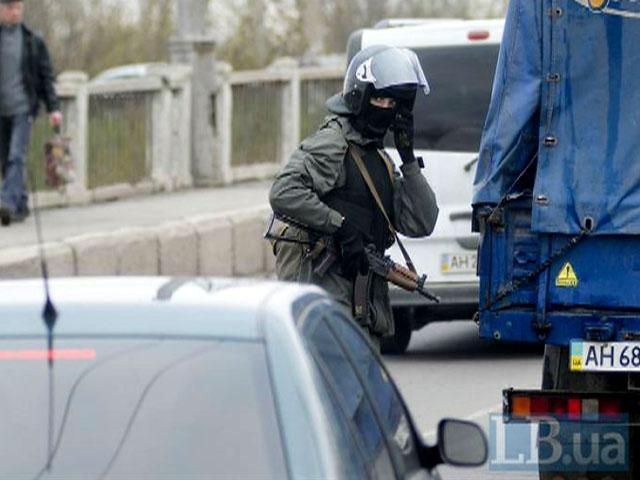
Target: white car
<point x="124" y="72"/>
<point x="459" y="59"/>
<point x="181" y="379"/>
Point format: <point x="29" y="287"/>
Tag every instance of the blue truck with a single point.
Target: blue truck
<point x="557" y="204"/>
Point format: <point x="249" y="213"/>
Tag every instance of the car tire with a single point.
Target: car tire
<point x="398" y="343"/>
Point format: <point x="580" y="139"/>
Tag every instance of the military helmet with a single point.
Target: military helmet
<point x="378" y="67"/>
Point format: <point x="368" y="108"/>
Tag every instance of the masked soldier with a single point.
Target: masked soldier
<point x="322" y="187"/>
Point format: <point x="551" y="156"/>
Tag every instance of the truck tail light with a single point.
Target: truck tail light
<point x="539" y="405"/>
<point x="610" y="407"/>
<point x="521" y="406"/>
<point x="574" y="409"/>
<point x="558" y="406"/>
<point x="529" y="406"/>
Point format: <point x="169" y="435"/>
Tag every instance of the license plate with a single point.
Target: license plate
<point x="605" y="357"/>
<point x="458" y="263"/>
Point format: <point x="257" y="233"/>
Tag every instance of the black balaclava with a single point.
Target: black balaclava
<point x="374" y="122"/>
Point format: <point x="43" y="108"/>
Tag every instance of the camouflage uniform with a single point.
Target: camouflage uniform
<point x="315" y="169"/>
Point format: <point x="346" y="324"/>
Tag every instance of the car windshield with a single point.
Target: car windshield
<point x="451" y="118"/>
<point x="142" y="408"/>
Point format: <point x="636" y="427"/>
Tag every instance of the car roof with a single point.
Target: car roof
<point x="403" y="22"/>
<point x="146" y="306"/>
<point x="435" y="33"/>
<point x="133" y="70"/>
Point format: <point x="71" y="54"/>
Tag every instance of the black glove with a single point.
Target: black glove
<point x="352" y="242"/>
<point x="403" y="135"/>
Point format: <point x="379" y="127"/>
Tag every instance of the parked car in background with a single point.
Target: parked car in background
<point x="124" y="72"/>
<point x="157" y="378"/>
<point x="459" y="59"/>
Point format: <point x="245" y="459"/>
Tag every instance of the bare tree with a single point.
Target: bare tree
<point x="267" y="29"/>
<point x="95" y="35"/>
<point x="92" y="37"/>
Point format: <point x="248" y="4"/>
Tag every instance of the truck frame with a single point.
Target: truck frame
<point x="557" y="205"/>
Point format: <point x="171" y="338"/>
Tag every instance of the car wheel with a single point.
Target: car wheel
<point x="398" y="343"/>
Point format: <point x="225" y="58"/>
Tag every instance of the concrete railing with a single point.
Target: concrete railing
<point x="126" y="136"/>
<point x="138" y="135"/>
<point x="262" y="115"/>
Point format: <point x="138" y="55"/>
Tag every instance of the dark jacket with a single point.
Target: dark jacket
<point x="37" y="73"/>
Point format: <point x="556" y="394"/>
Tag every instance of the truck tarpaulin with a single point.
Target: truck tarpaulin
<point x="567" y="88"/>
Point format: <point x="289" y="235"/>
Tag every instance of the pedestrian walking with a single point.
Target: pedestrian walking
<point x="26" y="79"/>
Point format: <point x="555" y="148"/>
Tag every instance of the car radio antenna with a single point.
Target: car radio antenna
<point x="49" y="313"/>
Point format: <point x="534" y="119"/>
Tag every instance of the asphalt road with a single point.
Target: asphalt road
<point x="449" y="372"/>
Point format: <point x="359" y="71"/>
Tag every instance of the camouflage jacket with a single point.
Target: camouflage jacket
<point x="315" y="169"/>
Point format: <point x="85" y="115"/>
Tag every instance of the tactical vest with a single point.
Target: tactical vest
<point x="356" y="203"/>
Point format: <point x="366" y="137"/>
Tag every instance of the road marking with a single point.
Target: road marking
<point x="432" y="434"/>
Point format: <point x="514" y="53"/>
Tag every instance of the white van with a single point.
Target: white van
<point x="459" y="59"/>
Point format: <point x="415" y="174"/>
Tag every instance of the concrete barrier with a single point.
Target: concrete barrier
<point x="248" y="247"/>
<point x="178" y="249"/>
<point x="138" y="252"/>
<point x="215" y="245"/>
<point x="24" y="262"/>
<point x="94" y="254"/>
<point x="207" y="245"/>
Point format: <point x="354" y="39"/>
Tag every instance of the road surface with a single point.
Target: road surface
<point x="449" y="372"/>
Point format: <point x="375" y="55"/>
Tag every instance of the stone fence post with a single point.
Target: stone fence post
<point x="290" y="106"/>
<point x="223" y="122"/>
<point x="171" y="128"/>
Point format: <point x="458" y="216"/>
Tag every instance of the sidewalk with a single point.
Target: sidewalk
<point x="144" y="211"/>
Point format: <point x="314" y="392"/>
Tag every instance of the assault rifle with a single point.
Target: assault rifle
<point x="398" y="275"/>
<point x="323" y="251"/>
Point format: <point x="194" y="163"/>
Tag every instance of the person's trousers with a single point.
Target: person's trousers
<point x="15" y="134"/>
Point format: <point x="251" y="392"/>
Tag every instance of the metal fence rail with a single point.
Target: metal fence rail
<point x="141" y="135"/>
<point x="257" y="123"/>
<point x="270" y="111"/>
<point x="126" y="136"/>
<point x="119" y="132"/>
<point x="314" y="92"/>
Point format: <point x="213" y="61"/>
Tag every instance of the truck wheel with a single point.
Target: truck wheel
<point x="398" y="343"/>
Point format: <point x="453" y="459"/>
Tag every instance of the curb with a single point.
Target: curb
<point x="223" y="244"/>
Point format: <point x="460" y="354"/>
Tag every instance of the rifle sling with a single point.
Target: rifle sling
<point x="357" y="157"/>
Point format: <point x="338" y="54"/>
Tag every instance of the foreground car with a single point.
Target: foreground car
<point x="192" y="379"/>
